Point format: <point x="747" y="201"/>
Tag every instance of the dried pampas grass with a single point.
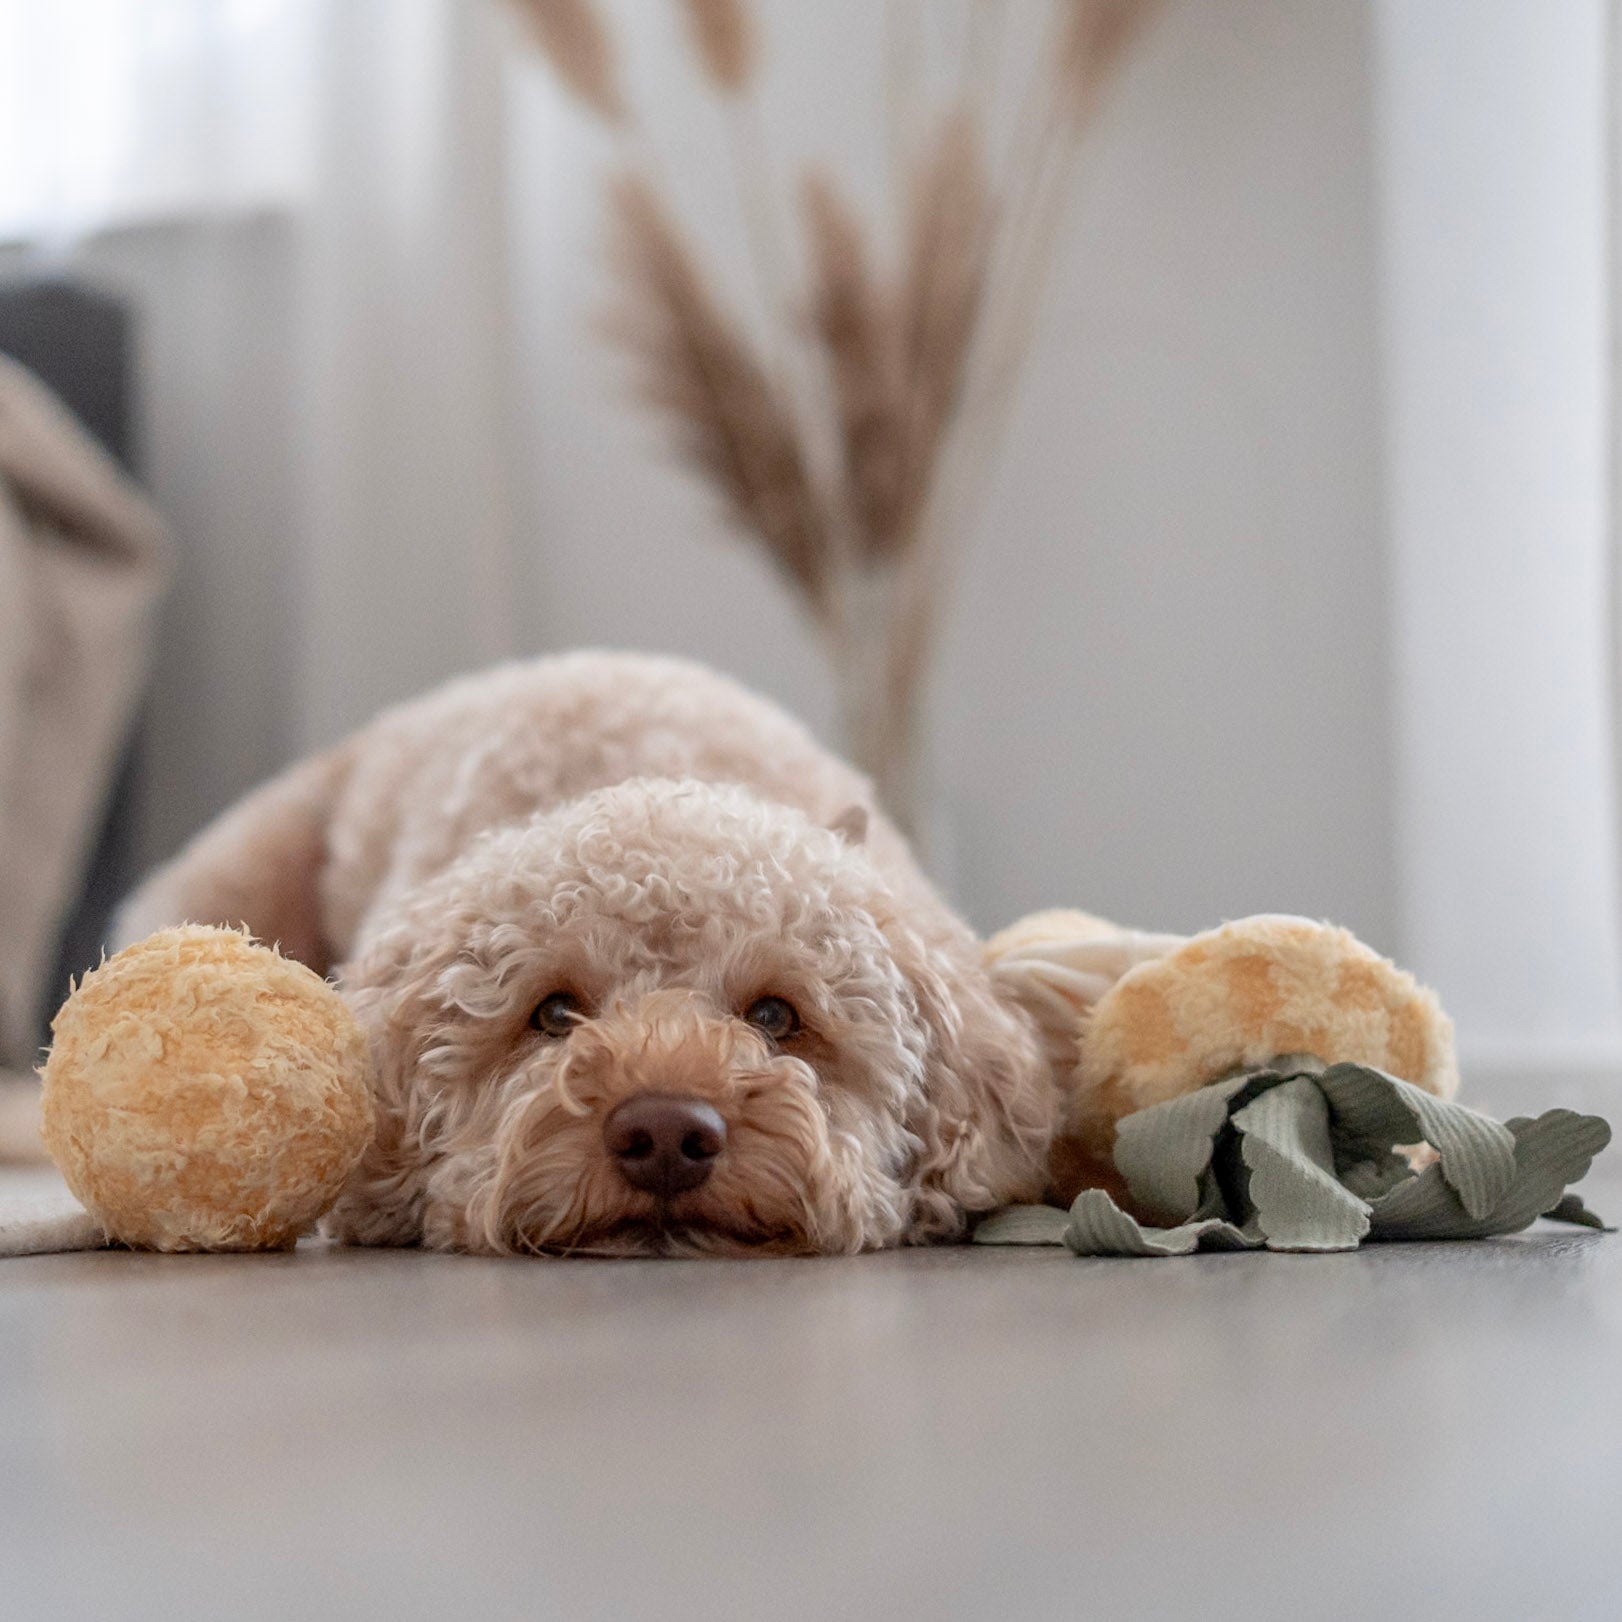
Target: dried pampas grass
<point x="696" y="366"/>
<point x="1097" y="36"/>
<point x="854" y="318"/>
<point x="724" y="36"/>
<point x="1092" y="40"/>
<point x="575" y="41"/>
<point x="949" y="226"/>
<point x="848" y="442"/>
<point x="897" y="357"/>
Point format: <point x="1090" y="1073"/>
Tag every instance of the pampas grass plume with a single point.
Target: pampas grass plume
<point x="695" y="365"/>
<point x="854" y="318"/>
<point x="948" y="233"/>
<point x="1097" y="36"/>
<point x="724" y="37"/>
<point x="578" y="45"/>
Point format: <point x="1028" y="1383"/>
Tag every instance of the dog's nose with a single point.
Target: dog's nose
<point x="664" y="1145"/>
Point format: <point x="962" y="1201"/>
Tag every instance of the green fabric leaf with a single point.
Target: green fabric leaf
<point x="1298" y="1201"/>
<point x="1572" y="1209"/>
<point x="1164" y="1151"/>
<point x="1099" y="1227"/>
<point x="1550" y="1152"/>
<point x="1369" y="1179"/>
<point x="1374" y="1111"/>
<point x="1024" y="1225"/>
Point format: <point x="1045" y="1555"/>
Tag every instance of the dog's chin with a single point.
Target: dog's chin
<point x="669" y="1234"/>
<point x="781" y="1210"/>
<point x="665" y="1231"/>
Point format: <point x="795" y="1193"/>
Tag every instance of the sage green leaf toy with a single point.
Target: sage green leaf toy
<point x="1298" y="1155"/>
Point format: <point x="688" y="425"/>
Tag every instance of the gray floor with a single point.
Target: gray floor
<point x="1415" y="1431"/>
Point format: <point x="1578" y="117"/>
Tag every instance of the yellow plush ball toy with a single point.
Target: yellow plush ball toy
<point x="205" y="1093"/>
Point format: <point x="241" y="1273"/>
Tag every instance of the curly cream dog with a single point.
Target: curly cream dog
<point x="643" y="971"/>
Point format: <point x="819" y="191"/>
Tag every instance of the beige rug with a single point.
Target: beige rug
<point x="38" y="1215"/>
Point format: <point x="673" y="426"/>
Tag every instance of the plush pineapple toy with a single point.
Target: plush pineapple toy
<point x="1274" y="1082"/>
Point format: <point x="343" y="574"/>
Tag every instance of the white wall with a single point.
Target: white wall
<point x="1164" y="692"/>
<point x="1491" y="163"/>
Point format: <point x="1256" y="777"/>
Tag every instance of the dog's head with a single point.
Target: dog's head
<point x="674" y="1018"/>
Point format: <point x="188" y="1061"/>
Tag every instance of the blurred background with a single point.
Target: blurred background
<point x="1289" y="585"/>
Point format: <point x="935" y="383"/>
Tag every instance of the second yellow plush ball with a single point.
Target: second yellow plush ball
<point x="205" y="1093"/>
<point x="1255" y="990"/>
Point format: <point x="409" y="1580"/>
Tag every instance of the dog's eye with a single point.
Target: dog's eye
<point x="773" y="1015"/>
<point x="556" y="1015"/>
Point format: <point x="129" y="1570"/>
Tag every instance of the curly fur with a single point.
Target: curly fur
<point x="667" y="848"/>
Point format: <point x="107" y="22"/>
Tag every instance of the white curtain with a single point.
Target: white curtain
<point x="404" y="420"/>
<point x="304" y="200"/>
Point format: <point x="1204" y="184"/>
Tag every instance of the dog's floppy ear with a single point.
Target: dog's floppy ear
<point x="1057" y="964"/>
<point x="988" y="1107"/>
<point x="851" y="825"/>
<point x="390" y="990"/>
